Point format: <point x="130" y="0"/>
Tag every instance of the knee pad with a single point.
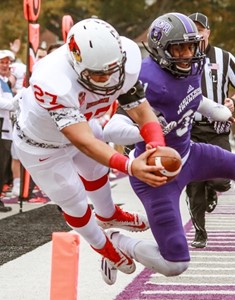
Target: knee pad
<point x="176" y="268"/>
<point x="148" y="254"/>
<point x="177" y="248"/>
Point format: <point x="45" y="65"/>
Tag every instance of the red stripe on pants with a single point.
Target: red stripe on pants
<point x="78" y="221"/>
<point x="95" y="184"/>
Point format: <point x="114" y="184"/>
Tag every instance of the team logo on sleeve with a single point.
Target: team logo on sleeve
<point x="73" y="47"/>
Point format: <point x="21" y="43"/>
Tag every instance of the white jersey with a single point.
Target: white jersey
<point x="18" y="70"/>
<point x="55" y="99"/>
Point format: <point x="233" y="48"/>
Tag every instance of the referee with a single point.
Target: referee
<point x="218" y="75"/>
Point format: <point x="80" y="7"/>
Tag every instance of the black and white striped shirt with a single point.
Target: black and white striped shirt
<point x="218" y="75"/>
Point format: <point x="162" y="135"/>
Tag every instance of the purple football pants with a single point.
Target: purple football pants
<point x="162" y="203"/>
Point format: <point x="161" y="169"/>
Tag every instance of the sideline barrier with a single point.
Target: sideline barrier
<point x="64" y="266"/>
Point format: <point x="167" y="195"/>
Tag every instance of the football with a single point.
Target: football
<point x="167" y="157"/>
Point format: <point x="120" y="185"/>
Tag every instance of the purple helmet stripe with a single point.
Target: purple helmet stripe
<point x="185" y="22"/>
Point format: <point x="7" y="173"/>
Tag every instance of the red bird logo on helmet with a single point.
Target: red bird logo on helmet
<point x="73" y="47"/>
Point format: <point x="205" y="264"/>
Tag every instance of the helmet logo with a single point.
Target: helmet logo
<point x="156" y="34"/>
<point x="160" y="26"/>
<point x="73" y="47"/>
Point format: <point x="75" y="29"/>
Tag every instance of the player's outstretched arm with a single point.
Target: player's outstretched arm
<point x="80" y="135"/>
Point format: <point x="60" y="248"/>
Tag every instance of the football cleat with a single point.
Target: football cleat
<point x="124" y="220"/>
<point x="200" y="240"/>
<point x="108" y="272"/>
<point x="116" y="258"/>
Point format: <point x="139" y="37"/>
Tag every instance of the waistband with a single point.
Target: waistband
<point x="34" y="143"/>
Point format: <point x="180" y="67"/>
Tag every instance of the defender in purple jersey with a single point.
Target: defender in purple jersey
<point x="172" y="79"/>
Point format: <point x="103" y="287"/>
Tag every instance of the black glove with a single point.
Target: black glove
<point x="166" y="127"/>
<point x="222" y="127"/>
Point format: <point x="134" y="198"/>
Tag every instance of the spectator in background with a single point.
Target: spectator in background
<point x="41" y="52"/>
<point x="53" y="47"/>
<point x="18" y="71"/>
<point x="6" y="105"/>
<point x="218" y="75"/>
<point x="15" y="80"/>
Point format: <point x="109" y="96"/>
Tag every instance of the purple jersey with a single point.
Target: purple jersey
<point x="175" y="99"/>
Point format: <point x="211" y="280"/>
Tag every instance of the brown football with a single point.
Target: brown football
<point x="167" y="157"/>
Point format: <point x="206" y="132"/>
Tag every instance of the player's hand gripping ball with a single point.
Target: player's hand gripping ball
<point x="167" y="157"/>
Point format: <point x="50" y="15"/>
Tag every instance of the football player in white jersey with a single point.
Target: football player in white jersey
<point x="60" y="143"/>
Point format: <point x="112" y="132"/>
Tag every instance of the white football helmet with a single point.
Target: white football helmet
<point x="94" y="47"/>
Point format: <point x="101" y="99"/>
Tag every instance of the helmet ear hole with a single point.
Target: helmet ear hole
<point x="94" y="47"/>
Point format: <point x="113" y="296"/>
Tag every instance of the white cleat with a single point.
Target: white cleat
<point x="108" y="272"/>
